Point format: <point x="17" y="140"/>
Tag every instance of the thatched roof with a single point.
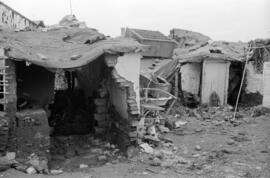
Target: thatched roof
<point x="67" y="45"/>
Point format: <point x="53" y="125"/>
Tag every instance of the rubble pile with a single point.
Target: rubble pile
<point x="157" y="148"/>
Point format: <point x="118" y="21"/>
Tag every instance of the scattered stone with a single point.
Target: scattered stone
<point x="182" y="160"/>
<point x="96" y="150"/>
<point x="204" y="153"/>
<point x="167" y="144"/>
<point x="132" y="151"/>
<point x="152" y="131"/>
<point x="89" y="176"/>
<point x="198" y="148"/>
<point x="175" y="148"/>
<point x="115" y="161"/>
<point x="163" y="129"/>
<point x="155" y="162"/>
<point x="70" y="153"/>
<point x="102" y="158"/>
<point x="56" y="172"/>
<point x="166" y="152"/>
<point x="108" y="145"/>
<point x="168" y="163"/>
<point x="179" y="123"/>
<point x="230" y="142"/>
<point x="96" y="142"/>
<point x="31" y="170"/>
<point x="198" y="130"/>
<point x="40" y="164"/>
<point x="11" y="155"/>
<point x="20" y="167"/>
<point x="166" y="139"/>
<point x="58" y="157"/>
<point x="147" y="148"/>
<point x="112" y="146"/>
<point x="158" y="154"/>
<point x="82" y="166"/>
<point x="196" y="155"/>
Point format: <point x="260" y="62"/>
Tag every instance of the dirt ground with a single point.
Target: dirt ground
<point x="203" y="148"/>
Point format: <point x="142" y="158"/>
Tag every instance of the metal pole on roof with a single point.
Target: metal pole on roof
<point x="70" y="6"/>
<point x="242" y="81"/>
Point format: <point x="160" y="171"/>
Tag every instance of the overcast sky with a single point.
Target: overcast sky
<point x="230" y="20"/>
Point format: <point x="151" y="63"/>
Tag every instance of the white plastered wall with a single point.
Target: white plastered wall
<point x="190" y="77"/>
<point x="128" y="66"/>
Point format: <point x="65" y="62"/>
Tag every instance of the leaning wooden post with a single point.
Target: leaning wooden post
<point x="242" y="81"/>
<point x="176" y="75"/>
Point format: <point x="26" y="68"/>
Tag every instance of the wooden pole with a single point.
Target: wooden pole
<point x="241" y="85"/>
<point x="175" y="90"/>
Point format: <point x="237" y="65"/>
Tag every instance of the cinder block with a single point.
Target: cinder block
<point x="100" y="117"/>
<point x="100" y="101"/>
<point x="101" y="109"/>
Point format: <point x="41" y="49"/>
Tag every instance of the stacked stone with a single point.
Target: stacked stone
<point x="128" y="128"/>
<point x="33" y="133"/>
<point x="101" y="115"/>
<point x="4" y="130"/>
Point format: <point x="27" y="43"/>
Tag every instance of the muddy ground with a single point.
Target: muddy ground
<point x="212" y="146"/>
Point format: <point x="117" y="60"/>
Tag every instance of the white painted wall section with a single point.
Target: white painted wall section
<point x="190" y="77"/>
<point x="266" y="84"/>
<point x="215" y="79"/>
<point x="128" y="66"/>
<point x="254" y="81"/>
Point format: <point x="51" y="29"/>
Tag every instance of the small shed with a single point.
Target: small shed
<point x="205" y="70"/>
<point x="161" y="45"/>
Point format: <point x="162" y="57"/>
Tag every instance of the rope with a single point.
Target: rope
<point x="70" y="6"/>
<point x="241" y="85"/>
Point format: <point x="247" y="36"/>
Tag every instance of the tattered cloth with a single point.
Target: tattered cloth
<point x="62" y="48"/>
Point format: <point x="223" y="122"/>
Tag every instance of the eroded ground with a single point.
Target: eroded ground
<point x="210" y="144"/>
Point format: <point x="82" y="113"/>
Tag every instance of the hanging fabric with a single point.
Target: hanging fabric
<point x="60" y="82"/>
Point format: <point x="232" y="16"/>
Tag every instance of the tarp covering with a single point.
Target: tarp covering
<point x="219" y="50"/>
<point x="62" y="47"/>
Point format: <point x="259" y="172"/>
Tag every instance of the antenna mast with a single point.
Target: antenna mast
<point x="70" y="6"/>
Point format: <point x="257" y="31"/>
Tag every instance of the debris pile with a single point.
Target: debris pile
<point x="82" y="152"/>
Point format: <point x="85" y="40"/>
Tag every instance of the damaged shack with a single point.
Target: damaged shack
<point x="66" y="79"/>
<point x="212" y="71"/>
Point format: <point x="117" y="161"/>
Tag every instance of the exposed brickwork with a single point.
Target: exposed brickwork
<point x="7" y="117"/>
<point x="126" y="127"/>
<point x="101" y="115"/>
